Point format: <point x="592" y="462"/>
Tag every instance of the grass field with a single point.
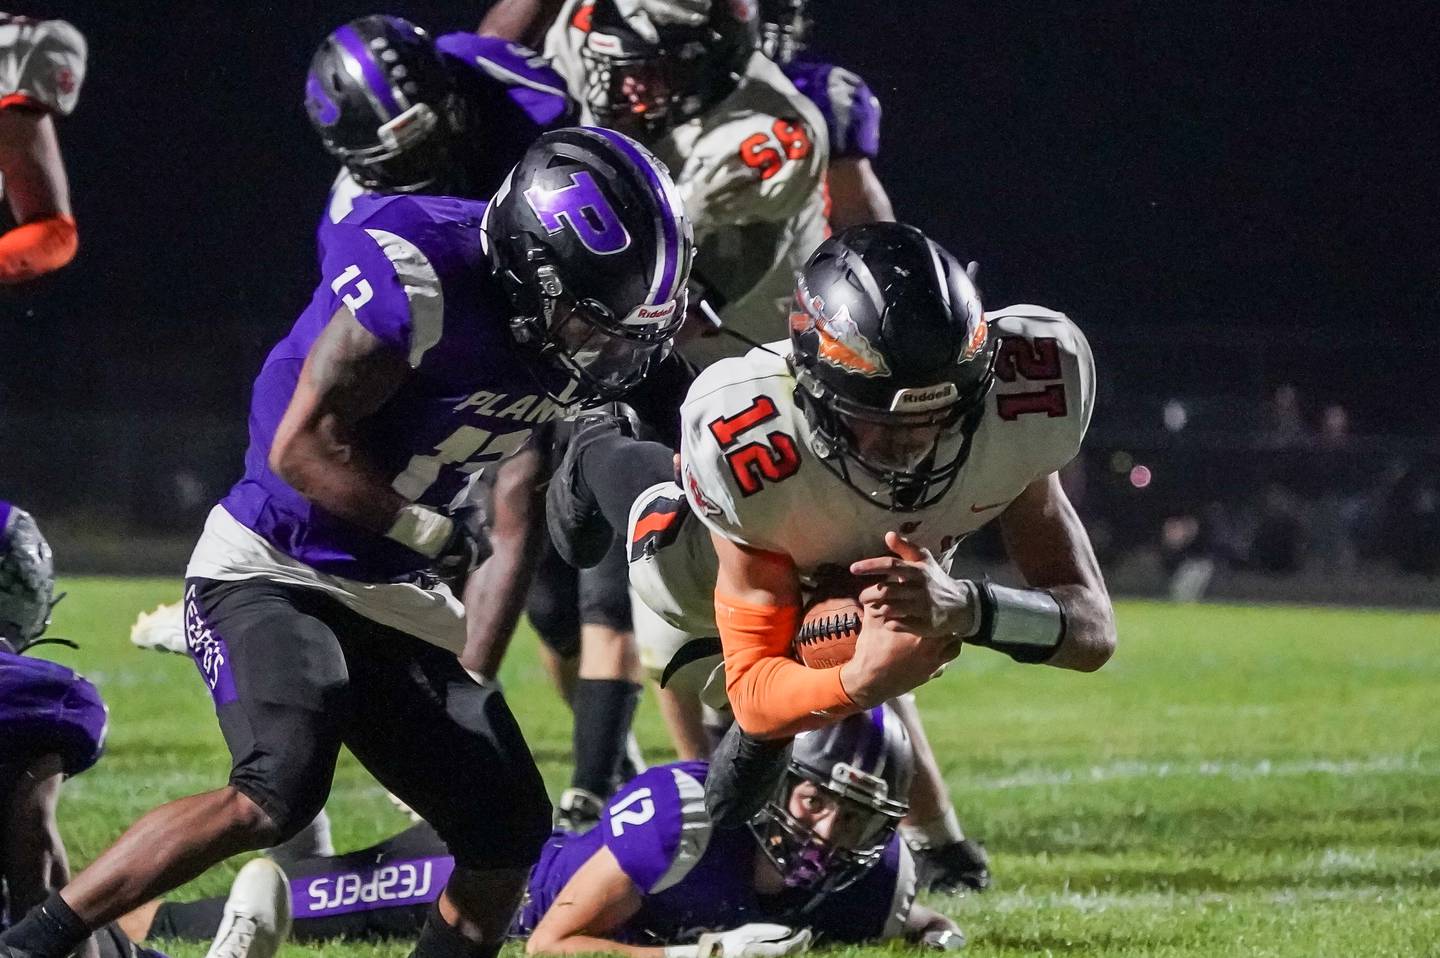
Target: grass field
<point x="1237" y="781"/>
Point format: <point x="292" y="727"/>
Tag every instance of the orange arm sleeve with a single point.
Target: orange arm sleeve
<point x="39" y="247"/>
<point x="773" y="695"/>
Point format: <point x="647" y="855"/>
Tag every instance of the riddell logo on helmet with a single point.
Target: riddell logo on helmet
<point x="924" y="398"/>
<point x="646" y="315"/>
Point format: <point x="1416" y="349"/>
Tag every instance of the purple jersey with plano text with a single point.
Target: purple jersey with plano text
<point x="47" y="709"/>
<point x="851" y="110"/>
<point x="412" y="271"/>
<point x="695" y="878"/>
<point x="510" y="97"/>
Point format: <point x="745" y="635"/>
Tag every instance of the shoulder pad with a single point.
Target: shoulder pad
<point x="851" y="110"/>
<point x="739" y="443"/>
<point x="387" y="279"/>
<point x="1044" y="377"/>
<point x="758" y="156"/>
<point x="656" y="826"/>
<point x="42" y="64"/>
<point x="46" y="708"/>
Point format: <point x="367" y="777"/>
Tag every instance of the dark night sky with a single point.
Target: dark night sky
<point x="1224" y="195"/>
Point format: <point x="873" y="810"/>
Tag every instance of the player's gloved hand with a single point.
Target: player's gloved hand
<point x="915" y="591"/>
<point x="468" y="545"/>
<point x="891" y="660"/>
<point x="943" y="939"/>
<point x="755" y="940"/>
<point x="644" y="16"/>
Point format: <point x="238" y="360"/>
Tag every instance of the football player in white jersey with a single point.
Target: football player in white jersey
<point x="896" y="420"/>
<point x="748" y="151"/>
<point x="42" y="64"/>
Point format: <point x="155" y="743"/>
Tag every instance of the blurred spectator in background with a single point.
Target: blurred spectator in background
<point x="1339" y="480"/>
<point x="1410" y="523"/>
<point x="1284" y="422"/>
<point x="1279" y="541"/>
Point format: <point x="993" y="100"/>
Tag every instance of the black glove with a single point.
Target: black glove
<point x="468" y="545"/>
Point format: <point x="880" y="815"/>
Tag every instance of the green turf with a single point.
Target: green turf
<point x="1238" y="781"/>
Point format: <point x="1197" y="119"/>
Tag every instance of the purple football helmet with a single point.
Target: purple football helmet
<point x="383" y="102"/>
<point x="592" y="243"/>
<point x="854" y="774"/>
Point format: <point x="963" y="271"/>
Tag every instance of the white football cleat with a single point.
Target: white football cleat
<point x="161" y="629"/>
<point x="257" y="913"/>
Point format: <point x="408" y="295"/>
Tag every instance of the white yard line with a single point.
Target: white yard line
<point x="1260" y="768"/>
<point x="998" y="901"/>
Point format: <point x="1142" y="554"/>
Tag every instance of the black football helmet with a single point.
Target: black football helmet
<point x="784" y="27"/>
<point x="887" y="333"/>
<point x="645" y="87"/>
<point x="861" y="767"/>
<point x="383" y="102"/>
<point x="593" y="245"/>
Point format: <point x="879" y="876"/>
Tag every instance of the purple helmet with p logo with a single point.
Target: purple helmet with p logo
<point x="383" y="102"/>
<point x="593" y="245"/>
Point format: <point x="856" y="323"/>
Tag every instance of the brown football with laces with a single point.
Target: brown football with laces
<point x="828" y="631"/>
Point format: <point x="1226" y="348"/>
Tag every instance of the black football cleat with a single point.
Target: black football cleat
<point x="952" y="869"/>
<point x="573" y="517"/>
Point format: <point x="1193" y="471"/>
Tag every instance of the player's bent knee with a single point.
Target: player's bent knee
<point x="245" y="817"/>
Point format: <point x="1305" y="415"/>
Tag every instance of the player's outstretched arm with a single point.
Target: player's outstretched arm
<point x="495" y="592"/>
<point x="1049" y="545"/>
<point x="32" y="855"/>
<point x="347" y="376"/>
<point x="757" y="609"/>
<point x="856" y="194"/>
<point x="932" y="929"/>
<point x="39" y="197"/>
<point x="596" y="900"/>
<point x="521" y="21"/>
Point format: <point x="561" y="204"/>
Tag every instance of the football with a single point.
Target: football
<point x="828" y="631"/>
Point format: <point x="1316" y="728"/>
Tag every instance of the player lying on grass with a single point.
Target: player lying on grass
<point x="42" y="64"/>
<point x="820" y="862"/>
<point x="52" y="726"/>
<point x="898" y="417"/>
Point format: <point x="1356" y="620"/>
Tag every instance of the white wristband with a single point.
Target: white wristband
<point x="424" y="530"/>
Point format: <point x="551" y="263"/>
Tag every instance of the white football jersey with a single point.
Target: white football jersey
<point x="751" y="473"/>
<point x="751" y="173"/>
<point x="42" y="63"/>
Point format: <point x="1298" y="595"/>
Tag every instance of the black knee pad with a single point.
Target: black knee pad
<point x="605" y="592"/>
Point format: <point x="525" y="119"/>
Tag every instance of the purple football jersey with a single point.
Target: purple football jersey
<point x="694" y="877"/>
<point x="851" y="110"/>
<point x="46" y="709"/>
<point x="412" y="271"/>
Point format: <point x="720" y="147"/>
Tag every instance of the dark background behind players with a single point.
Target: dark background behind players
<point x="1228" y="197"/>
